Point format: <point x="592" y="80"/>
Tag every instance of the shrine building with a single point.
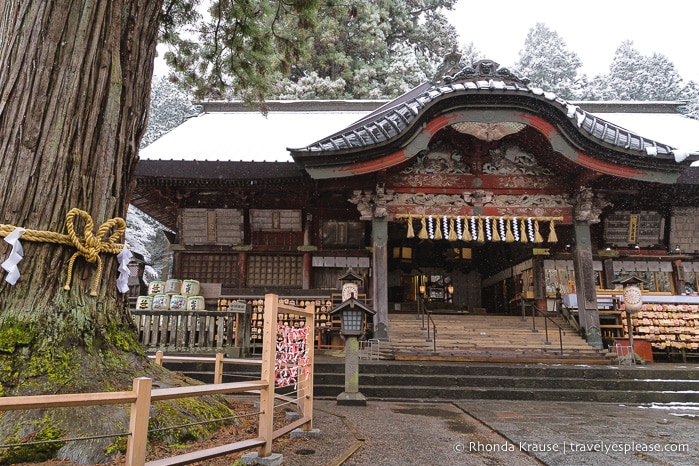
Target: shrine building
<point x="474" y="191"/>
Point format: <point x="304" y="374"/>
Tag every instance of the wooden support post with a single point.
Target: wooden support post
<point x="305" y="393"/>
<point x="159" y="358"/>
<point x="138" y="425"/>
<point x="269" y="341"/>
<point x="218" y="368"/>
<point x="379" y="227"/>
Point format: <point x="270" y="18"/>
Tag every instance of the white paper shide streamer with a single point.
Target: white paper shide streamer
<point x="16" y="255"/>
<point x="124" y="258"/>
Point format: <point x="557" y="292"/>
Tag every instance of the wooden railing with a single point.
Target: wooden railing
<point x="142" y="396"/>
<point x="219" y="361"/>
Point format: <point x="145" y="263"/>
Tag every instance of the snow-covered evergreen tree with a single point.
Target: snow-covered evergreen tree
<point x="547" y="62"/>
<point x="691" y="95"/>
<point x="470" y="54"/>
<point x="633" y="76"/>
<point x="169" y="107"/>
<point x="146" y="236"/>
<point x="371" y="49"/>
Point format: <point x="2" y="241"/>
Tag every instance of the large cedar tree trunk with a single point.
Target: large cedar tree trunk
<point x="74" y="91"/>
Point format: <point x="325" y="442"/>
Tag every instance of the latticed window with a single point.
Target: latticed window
<point x="210" y="268"/>
<point x="278" y="271"/>
<point x="342" y="234"/>
<point x="212" y="226"/>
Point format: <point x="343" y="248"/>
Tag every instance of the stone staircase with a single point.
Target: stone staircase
<point x="490" y="338"/>
<point x="444" y="381"/>
<point x="448" y="381"/>
<point x="488" y="357"/>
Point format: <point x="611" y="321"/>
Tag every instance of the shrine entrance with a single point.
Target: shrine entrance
<point x="473" y="277"/>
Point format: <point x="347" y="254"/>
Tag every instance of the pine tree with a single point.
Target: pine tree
<point x="691" y="94"/>
<point x="371" y="49"/>
<point x="547" y="62"/>
<point x="169" y="107"/>
<point x="633" y="76"/>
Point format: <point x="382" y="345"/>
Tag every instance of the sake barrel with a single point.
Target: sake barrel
<point x="178" y="302"/>
<point x="156" y="287"/>
<point x="161" y="302"/>
<point x="190" y="288"/>
<point x="195" y="303"/>
<point x="144" y="303"/>
<point x="173" y="286"/>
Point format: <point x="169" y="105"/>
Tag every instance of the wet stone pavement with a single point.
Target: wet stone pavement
<point x="562" y="433"/>
<point x="488" y="432"/>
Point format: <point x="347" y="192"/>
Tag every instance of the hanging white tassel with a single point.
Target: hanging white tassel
<point x="530" y="230"/>
<point x="437" y="230"/>
<point x="16" y="255"/>
<point x="124" y="258"/>
<point x="473" y="222"/>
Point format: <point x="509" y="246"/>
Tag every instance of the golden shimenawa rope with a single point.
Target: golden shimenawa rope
<point x="89" y="245"/>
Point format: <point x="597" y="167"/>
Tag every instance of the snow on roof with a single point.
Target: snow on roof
<point x="246" y="136"/>
<point x="249" y="136"/>
<point x="672" y="129"/>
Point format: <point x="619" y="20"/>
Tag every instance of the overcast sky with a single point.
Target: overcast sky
<point x="593" y="29"/>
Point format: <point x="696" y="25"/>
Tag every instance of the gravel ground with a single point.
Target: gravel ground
<point x="471" y="432"/>
<point x="397" y="434"/>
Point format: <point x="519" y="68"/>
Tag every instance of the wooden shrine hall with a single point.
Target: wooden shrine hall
<point x="475" y="192"/>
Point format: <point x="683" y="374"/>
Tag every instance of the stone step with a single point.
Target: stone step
<point x="459" y="381"/>
<point x="436" y="380"/>
<point x="418" y="393"/>
<point x="477" y="337"/>
<point x="448" y="381"/>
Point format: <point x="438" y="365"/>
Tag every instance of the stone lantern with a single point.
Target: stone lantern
<point x="353" y="316"/>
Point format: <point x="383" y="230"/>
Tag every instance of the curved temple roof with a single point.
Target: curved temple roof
<point x="480" y="93"/>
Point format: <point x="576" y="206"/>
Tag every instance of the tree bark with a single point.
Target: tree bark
<point x="74" y="91"/>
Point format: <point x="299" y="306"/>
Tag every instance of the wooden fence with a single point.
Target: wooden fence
<point x="186" y="331"/>
<point x="142" y="395"/>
